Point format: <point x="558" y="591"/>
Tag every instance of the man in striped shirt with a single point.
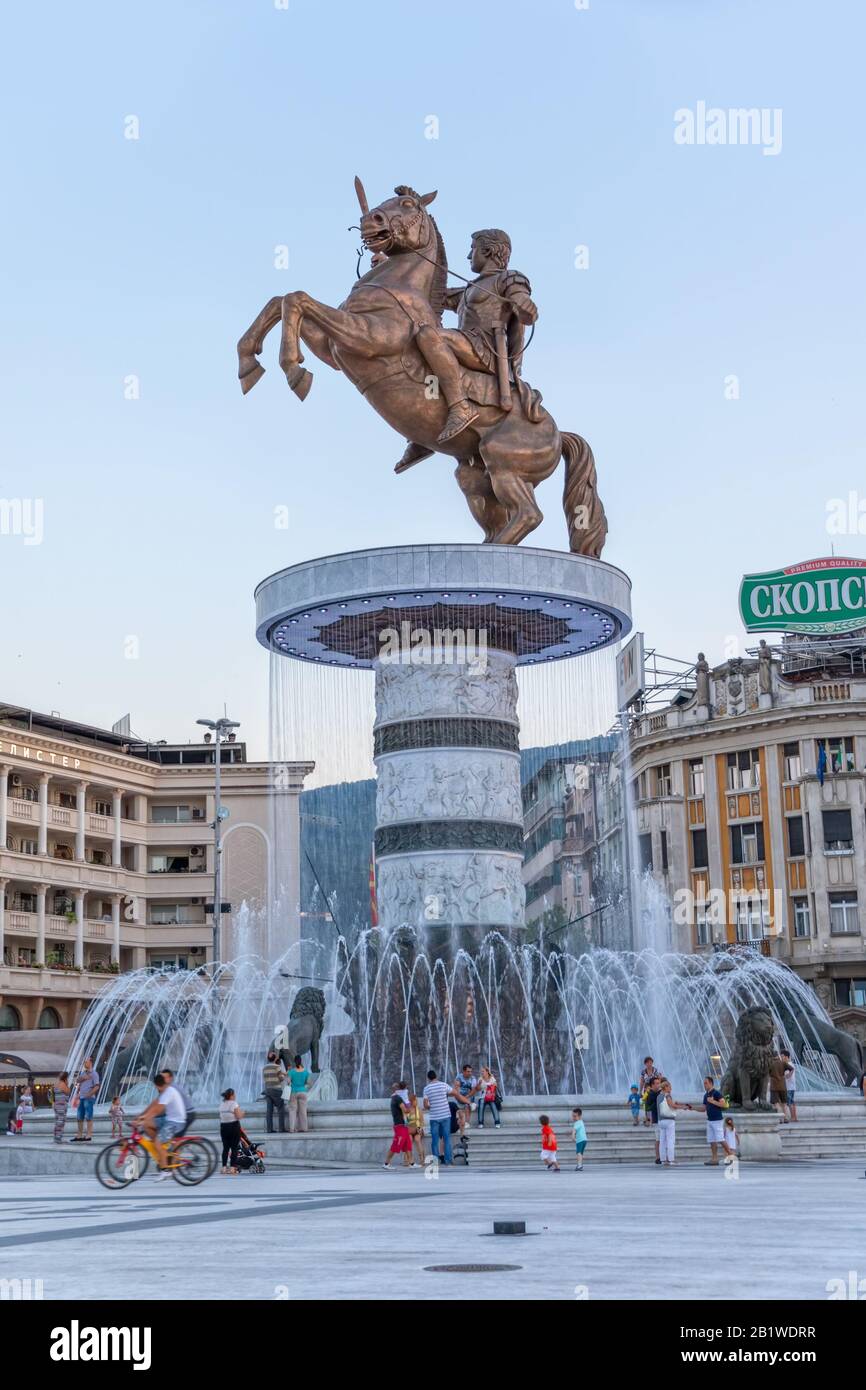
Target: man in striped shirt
<point x="273" y="1080"/>
<point x="436" y="1094"/>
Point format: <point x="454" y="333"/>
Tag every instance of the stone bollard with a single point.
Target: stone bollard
<point x="760" y="1135"/>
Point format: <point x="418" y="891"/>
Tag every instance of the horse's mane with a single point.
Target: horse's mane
<point x="440" y="275"/>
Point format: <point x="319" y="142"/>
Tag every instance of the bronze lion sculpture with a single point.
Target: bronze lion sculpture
<point x="747" y="1078"/>
<point x="303" y="1031"/>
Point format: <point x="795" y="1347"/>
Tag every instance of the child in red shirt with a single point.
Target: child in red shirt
<point x="548" y="1144"/>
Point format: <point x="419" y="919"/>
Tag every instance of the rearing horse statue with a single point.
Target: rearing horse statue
<point x="508" y="443"/>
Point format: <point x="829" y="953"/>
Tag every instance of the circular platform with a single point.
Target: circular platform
<point x="539" y="605"/>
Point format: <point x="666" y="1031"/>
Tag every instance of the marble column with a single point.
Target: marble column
<point x="117" y="807"/>
<point x="41" y="890"/>
<point x="81" y="805"/>
<point x="79" y="927"/>
<point x="449" y="816"/>
<point x="42" y="842"/>
<point x="115" y="926"/>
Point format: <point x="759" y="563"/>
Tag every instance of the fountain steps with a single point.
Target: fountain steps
<point x="356" y="1134"/>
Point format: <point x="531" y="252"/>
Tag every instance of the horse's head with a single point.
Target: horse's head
<point x="399" y="224"/>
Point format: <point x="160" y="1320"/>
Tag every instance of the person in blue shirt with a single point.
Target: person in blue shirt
<point x="714" y="1105"/>
<point x="579" y="1137"/>
<point x="633" y="1104"/>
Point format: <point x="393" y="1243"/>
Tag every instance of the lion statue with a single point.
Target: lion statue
<point x="303" y="1031"/>
<point x="747" y="1078"/>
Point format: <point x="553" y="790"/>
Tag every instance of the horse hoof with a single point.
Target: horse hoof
<point x="300" y="381"/>
<point x="251" y="376"/>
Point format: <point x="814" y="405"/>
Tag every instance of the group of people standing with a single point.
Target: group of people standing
<point x="660" y="1109"/>
<point x="449" y="1111"/>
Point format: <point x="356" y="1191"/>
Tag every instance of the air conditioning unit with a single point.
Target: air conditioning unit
<point x="16" y="779"/>
<point x="197" y="813"/>
<point x="197" y="850"/>
<point x="196" y="902"/>
<point x="196" y="950"/>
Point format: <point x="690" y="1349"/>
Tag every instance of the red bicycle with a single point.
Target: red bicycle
<point x="191" y="1159"/>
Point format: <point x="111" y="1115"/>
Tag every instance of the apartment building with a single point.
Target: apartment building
<point x="107" y="859"/>
<point x="750" y="800"/>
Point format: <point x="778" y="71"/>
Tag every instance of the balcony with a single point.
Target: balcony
<point x="25" y="979"/>
<point x="20" y="923"/>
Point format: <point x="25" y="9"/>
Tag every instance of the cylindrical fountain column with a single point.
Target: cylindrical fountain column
<point x="449" y="819"/>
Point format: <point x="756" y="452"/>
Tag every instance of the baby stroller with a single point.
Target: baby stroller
<point x="250" y="1155"/>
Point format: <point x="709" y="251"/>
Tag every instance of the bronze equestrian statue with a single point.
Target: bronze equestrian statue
<point x="450" y="391"/>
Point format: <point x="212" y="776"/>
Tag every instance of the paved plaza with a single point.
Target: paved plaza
<point x="611" y="1232"/>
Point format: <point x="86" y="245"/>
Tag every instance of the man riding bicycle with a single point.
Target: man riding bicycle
<point x="163" y="1120"/>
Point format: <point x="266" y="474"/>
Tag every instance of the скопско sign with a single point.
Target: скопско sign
<point x="817" y="596"/>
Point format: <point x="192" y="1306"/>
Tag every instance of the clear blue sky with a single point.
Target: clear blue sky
<point x="150" y="257"/>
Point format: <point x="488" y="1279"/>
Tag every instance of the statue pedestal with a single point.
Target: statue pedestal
<point x="444" y="627"/>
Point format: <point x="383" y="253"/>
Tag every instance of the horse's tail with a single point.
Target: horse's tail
<point x="584" y="514"/>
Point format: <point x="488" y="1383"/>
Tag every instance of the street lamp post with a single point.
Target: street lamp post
<point x="219" y="727"/>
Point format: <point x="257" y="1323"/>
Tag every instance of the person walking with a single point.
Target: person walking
<point x="402" y="1140"/>
<point x="647" y="1076"/>
<point x="88" y="1086"/>
<point x="436" y="1096"/>
<point x="415" y="1121"/>
<point x="790" y="1083"/>
<point x="668" y="1108"/>
<point x="548" y="1145"/>
<point x="634" y="1104"/>
<point x="298" y="1079"/>
<point x="230" y="1131"/>
<point x="62" y="1092"/>
<point x="488" y="1090"/>
<point x="273" y="1081"/>
<point x="579" y="1137"/>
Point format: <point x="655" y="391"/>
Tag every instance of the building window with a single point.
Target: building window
<point x="747" y="843"/>
<point x="664" y="845"/>
<point x="843" y="914"/>
<point x="9" y="1018"/>
<point x="29" y="847"/>
<point x="700" y="852"/>
<point x="645" y="852"/>
<point x="696" y="777"/>
<point x="168" y="963"/>
<point x="839" y="753"/>
<point x="169" y="864"/>
<point x="702" y="927"/>
<point x="791" y="755"/>
<point x="838" y="837"/>
<point x="796" y="842"/>
<point x="177" y="815"/>
<point x="850" y="994"/>
<point x="67" y="800"/>
<point x="744" y="770"/>
<point x="49" y="1018"/>
<point x="103" y="808"/>
<point x="802" y="917"/>
<point x="752" y="919"/>
<point x="663" y="779"/>
<point x="176" y="914"/>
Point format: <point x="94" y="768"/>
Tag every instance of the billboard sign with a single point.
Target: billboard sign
<point x="824" y="596"/>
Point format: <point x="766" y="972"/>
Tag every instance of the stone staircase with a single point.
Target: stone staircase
<point x="356" y="1134"/>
